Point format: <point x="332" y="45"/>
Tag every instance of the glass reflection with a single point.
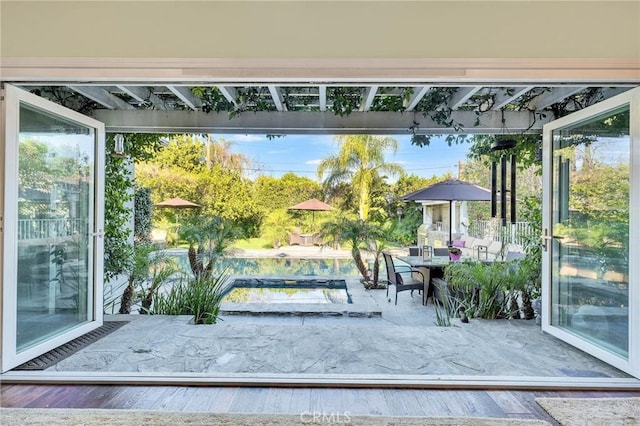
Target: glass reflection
<point x="55" y="190"/>
<point x="590" y="286"/>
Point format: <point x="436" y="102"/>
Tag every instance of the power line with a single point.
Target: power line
<point x="251" y="169"/>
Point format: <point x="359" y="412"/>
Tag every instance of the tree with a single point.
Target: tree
<point x="183" y="151"/>
<point x="353" y="232"/>
<point x="208" y="237"/>
<point x="34" y="170"/>
<point x="146" y="266"/>
<point x="219" y="152"/>
<point x="528" y="173"/>
<point x="193" y="153"/>
<point x="528" y="149"/>
<point x="272" y="193"/>
<point x="407" y="184"/>
<point x="379" y="237"/>
<point x="277" y="226"/>
<point x="221" y="192"/>
<point x="359" y="161"/>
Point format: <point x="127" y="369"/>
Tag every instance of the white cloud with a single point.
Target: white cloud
<point x="279" y="151"/>
<point x="314" y="162"/>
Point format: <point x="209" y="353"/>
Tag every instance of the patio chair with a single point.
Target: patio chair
<point x="294" y="239"/>
<point x="441" y="251"/>
<point x="401" y="277"/>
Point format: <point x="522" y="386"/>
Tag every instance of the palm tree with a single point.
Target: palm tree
<point x="208" y="240"/>
<point x="145" y="264"/>
<point x="380" y="236"/>
<point x="353" y="232"/>
<point x="359" y="161"/>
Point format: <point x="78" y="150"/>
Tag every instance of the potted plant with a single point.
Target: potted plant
<point x="455" y="253"/>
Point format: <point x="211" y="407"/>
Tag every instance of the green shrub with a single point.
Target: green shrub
<point x="200" y="297"/>
<point x="143" y="215"/>
<point x="478" y="287"/>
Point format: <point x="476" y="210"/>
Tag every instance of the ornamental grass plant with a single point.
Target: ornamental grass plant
<point x="200" y="297"/>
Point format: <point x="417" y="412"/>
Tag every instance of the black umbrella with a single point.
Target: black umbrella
<point x="450" y="190"/>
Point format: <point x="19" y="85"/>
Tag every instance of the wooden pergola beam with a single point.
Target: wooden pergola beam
<point x="369" y="96"/>
<point x="102" y="96"/>
<point x="302" y="122"/>
<point x="184" y="94"/>
<point x="417" y="97"/>
<point x="144" y="95"/>
<point x="462" y="95"/>
<point x="277" y="98"/>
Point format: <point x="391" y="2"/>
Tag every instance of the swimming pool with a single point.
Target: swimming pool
<point x="257" y="290"/>
<point x="276" y="266"/>
<point x="260" y="280"/>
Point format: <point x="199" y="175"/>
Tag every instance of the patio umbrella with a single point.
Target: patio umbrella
<point x="177" y="203"/>
<point x="312" y="205"/>
<point x="450" y="190"/>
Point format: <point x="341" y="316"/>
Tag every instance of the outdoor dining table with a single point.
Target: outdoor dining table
<point x="432" y="268"/>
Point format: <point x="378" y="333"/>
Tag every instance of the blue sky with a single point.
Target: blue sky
<point x="301" y="154"/>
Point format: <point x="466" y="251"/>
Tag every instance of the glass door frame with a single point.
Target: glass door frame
<point x="12" y="98"/>
<point x="630" y="365"/>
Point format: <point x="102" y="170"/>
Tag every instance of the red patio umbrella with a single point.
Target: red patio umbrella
<point x="312" y="205"/>
<point x="177" y="203"/>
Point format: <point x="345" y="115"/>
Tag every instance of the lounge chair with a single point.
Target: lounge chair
<point x="401" y="277"/>
<point x="159" y="237"/>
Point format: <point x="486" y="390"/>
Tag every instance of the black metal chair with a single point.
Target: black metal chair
<point x="401" y="277"/>
<point x="414" y="251"/>
<point x="441" y="251"/>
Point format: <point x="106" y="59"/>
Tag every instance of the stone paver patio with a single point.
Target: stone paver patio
<point x="401" y="340"/>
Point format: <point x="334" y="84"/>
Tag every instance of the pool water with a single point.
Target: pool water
<point x="255" y="290"/>
<point x="270" y="266"/>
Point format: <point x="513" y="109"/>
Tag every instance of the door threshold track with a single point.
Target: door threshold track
<point x="322" y="381"/>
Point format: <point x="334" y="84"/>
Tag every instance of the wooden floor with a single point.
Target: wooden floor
<point x="392" y="402"/>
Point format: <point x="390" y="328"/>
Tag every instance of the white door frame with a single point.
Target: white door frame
<point x="8" y="289"/>
<point x="632" y="364"/>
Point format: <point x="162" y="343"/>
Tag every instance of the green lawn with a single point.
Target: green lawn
<point x="253" y="243"/>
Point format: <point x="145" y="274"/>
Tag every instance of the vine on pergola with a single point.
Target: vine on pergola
<point x="344" y="100"/>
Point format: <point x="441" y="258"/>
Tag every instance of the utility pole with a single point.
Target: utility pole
<point x="208" y="148"/>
